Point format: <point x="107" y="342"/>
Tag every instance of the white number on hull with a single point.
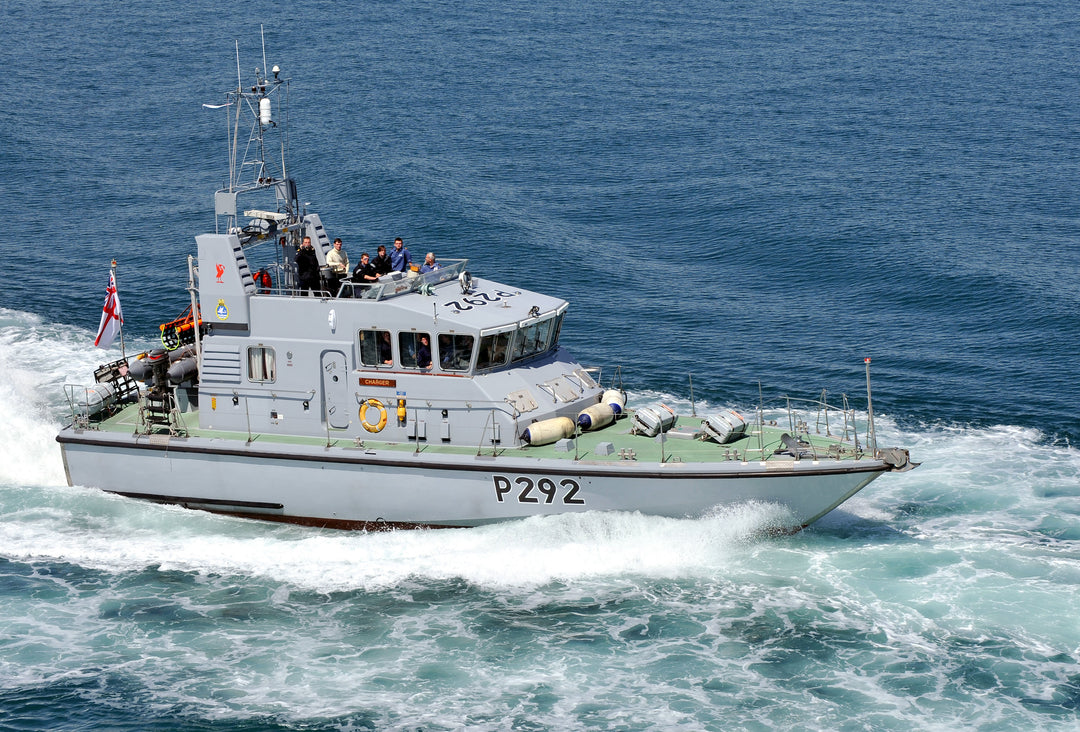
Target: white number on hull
<point x="546" y="490"/>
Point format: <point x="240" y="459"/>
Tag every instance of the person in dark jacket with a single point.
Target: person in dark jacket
<point x="307" y="267"/>
<point x="365" y="273"/>
<point x="382" y="262"/>
<point x="423" y="353"/>
<point x="385" y="352"/>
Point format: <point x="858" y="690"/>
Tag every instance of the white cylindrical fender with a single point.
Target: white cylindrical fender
<point x="653" y="420"/>
<point x="616" y="399"/>
<point x="596" y="417"/>
<point x="547" y="431"/>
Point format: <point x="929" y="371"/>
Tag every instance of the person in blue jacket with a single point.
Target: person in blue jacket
<point x="399" y="257"/>
<point x="429" y="265"/>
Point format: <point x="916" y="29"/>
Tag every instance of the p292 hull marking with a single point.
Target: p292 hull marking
<point x="524" y="489"/>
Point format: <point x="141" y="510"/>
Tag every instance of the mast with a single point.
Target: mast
<point x="256" y="110"/>
<point x="123" y="350"/>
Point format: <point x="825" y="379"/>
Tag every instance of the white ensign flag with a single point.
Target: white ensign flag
<point x="111" y="317"/>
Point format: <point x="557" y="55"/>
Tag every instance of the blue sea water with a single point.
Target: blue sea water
<point x="751" y="192"/>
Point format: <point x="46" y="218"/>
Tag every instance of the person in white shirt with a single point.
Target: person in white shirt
<point x="338" y="259"/>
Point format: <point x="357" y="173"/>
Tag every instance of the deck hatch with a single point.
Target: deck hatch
<point x="562" y="388"/>
<point x="522" y="400"/>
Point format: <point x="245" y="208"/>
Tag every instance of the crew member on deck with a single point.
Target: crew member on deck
<point x="400" y="260"/>
<point x="338" y="261"/>
<point x="429" y="265"/>
<point x="307" y="267"/>
<point x="365" y="273"/>
<point x="382" y="262"/>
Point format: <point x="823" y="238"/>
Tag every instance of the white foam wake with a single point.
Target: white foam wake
<point x="38" y="359"/>
<point x="1005" y="479"/>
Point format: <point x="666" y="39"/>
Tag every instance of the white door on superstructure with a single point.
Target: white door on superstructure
<point x="335" y="385"/>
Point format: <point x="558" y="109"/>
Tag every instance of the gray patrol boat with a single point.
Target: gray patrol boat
<point x="432" y="399"/>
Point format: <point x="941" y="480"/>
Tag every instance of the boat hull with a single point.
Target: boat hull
<point x="365" y="488"/>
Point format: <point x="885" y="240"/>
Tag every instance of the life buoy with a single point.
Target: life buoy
<point x="376" y="404"/>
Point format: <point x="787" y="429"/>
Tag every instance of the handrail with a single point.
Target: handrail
<point x="399" y="285"/>
<point x="490" y="419"/>
<point x="277" y="393"/>
<point x="467" y="404"/>
<point x="79" y="411"/>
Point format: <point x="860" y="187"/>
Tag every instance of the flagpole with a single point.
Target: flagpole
<point x="123" y="352"/>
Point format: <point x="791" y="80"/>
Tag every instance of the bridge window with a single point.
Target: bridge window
<point x="532" y="339"/>
<point x="455" y="351"/>
<point x="415" y="350"/>
<point x="493" y="350"/>
<point x="376" y="348"/>
<point x="262" y="365"/>
<point x="556" y="330"/>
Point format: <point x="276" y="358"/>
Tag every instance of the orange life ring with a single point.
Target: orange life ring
<point x="376" y="404"/>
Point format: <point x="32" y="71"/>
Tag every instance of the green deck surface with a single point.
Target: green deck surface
<point x="679" y="445"/>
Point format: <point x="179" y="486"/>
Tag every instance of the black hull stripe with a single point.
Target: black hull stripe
<point x="492" y="466"/>
<point x="215" y="506"/>
<point x="183" y="500"/>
